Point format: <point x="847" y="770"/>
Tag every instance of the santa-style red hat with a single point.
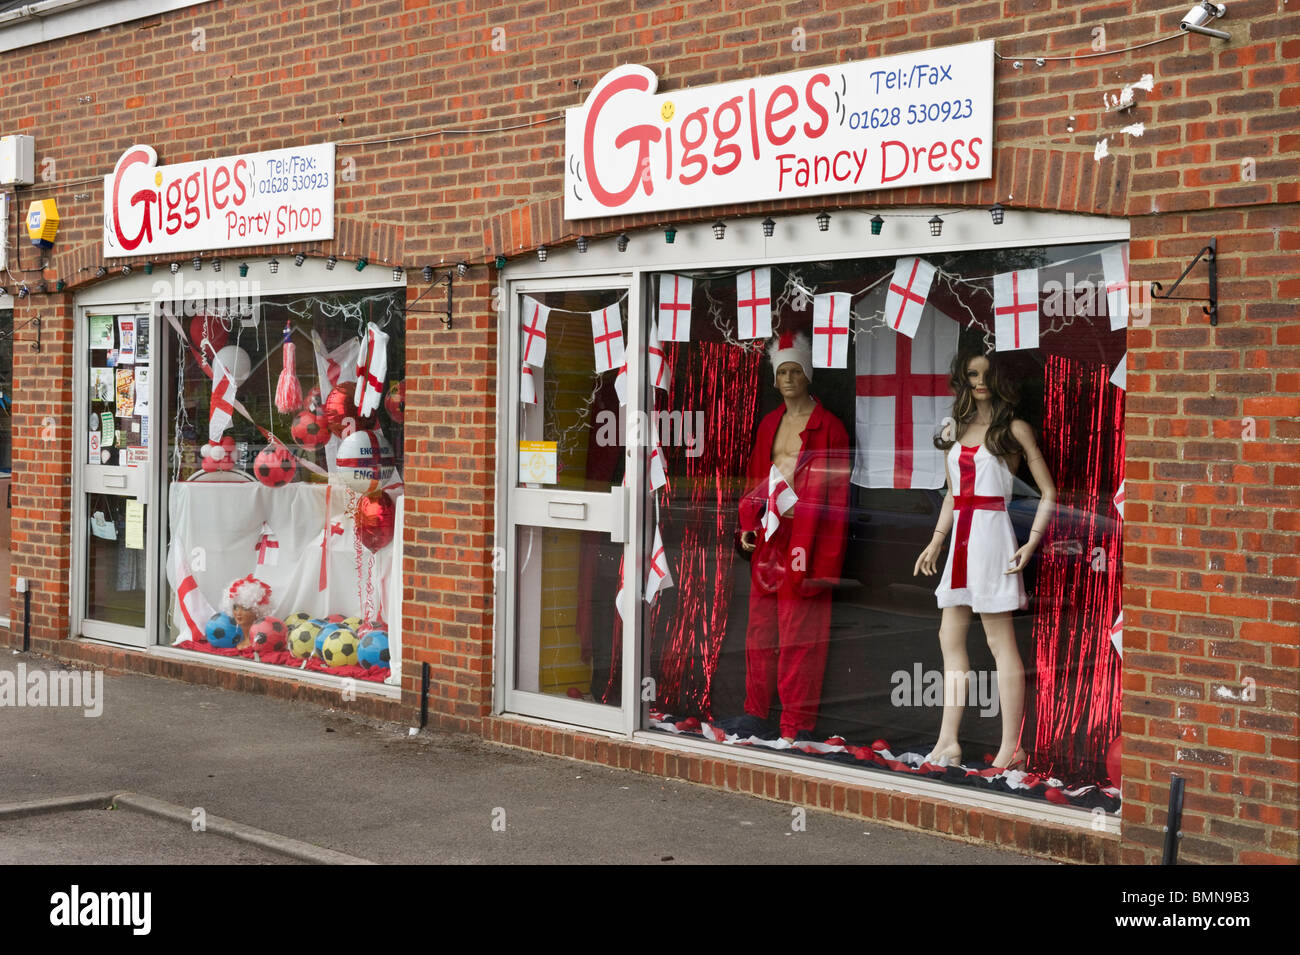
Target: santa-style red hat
<point x="791" y="347"/>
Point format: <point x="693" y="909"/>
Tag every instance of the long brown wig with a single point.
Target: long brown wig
<point x="1004" y="395"/>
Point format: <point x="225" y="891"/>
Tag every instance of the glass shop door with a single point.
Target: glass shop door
<point x="115" y="567"/>
<point x="571" y="592"/>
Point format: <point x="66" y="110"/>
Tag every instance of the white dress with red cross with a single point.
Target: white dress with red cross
<point x="983" y="540"/>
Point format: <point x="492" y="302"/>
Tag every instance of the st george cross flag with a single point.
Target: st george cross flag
<point x="1015" y="310"/>
<point x="267" y="547"/>
<point x="780" y="498"/>
<point x="335" y="367"/>
<point x="903" y="398"/>
<point x="372" y="369"/>
<point x="534" y="331"/>
<point x="221" y="409"/>
<point x="831" y="316"/>
<point x="618" y="595"/>
<point x="527" y="384"/>
<point x="1119" y="500"/>
<point x="675" y="308"/>
<point x="1114" y="266"/>
<point x="658" y="577"/>
<point x="658" y="477"/>
<point x="192" y="609"/>
<point x="607" y="338"/>
<point x="908" y="290"/>
<point x="1119" y="377"/>
<point x="754" y="304"/>
<point x="620" y="384"/>
<point x="661" y="373"/>
<point x="1117" y="634"/>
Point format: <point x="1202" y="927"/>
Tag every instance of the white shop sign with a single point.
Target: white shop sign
<point x="908" y="120"/>
<point x="276" y="197"/>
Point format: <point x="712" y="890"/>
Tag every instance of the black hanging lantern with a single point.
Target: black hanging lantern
<point x="936" y="226"/>
<point x="877" y="223"/>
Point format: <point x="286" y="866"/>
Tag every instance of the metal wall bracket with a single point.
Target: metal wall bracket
<point x="1211" y="253"/>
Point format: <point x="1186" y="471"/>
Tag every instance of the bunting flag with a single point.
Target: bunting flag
<point x="1119" y="500"/>
<point x="831" y="330"/>
<point x="1114" y="266"/>
<point x="534" y="330"/>
<point x="1117" y="634"/>
<point x="658" y="477"/>
<point x="658" y="577"/>
<point x="618" y="596"/>
<point x="527" y="385"/>
<point x="620" y="384"/>
<point x="661" y="373"/>
<point x="675" y="308"/>
<point x="194" y="607"/>
<point x="754" y="304"/>
<point x="780" y="498"/>
<point x="335" y="367"/>
<point x="1119" y="377"/>
<point x="221" y="409"/>
<point x="267" y="547"/>
<point x="1015" y="310"/>
<point x="903" y="397"/>
<point x="372" y="369"/>
<point x="908" y="290"/>
<point x="607" y="338"/>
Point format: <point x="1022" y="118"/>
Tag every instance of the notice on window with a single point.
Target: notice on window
<point x="134" y="524"/>
<point x="101" y="331"/>
<point x="537" y="460"/>
<point x="94" y="448"/>
<point x="126" y="335"/>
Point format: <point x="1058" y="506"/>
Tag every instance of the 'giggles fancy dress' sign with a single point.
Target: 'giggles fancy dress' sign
<point x="286" y="195"/>
<point x="907" y="120"/>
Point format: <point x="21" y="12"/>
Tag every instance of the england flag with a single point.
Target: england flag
<point x="831" y="329"/>
<point x="780" y="498"/>
<point x="908" y="291"/>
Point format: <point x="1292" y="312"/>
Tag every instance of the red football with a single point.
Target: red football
<point x="309" y="431"/>
<point x="275" y="465"/>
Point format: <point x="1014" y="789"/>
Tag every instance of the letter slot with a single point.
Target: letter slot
<point x="114" y="480"/>
<point x="567" y="510"/>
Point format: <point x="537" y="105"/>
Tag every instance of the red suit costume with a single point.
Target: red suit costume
<point x="792" y="573"/>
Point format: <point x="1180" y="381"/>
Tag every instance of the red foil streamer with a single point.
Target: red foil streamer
<point x="698" y="513"/>
<point x="1078" y="591"/>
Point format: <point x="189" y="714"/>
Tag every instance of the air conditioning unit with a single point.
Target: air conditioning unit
<point x="17" y="160"/>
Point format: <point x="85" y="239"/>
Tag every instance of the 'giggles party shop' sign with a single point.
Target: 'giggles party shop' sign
<point x="286" y="195"/>
<point x="908" y="120"/>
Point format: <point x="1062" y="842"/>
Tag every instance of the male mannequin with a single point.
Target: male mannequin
<point x="794" y="565"/>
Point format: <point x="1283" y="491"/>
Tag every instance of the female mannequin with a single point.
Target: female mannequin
<point x="984" y="448"/>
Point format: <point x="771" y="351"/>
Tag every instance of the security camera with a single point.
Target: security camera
<point x="1203" y="13"/>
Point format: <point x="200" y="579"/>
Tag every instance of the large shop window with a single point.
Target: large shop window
<point x="284" y="470"/>
<point x="802" y="487"/>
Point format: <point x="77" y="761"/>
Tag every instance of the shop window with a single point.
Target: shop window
<point x="796" y="618"/>
<point x="285" y="421"/>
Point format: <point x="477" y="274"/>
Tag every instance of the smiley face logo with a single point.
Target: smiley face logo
<point x="667" y="110"/>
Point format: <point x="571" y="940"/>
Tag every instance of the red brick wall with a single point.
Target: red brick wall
<point x="1211" y="555"/>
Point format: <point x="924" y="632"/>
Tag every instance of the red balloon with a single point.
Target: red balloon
<point x="210" y="327"/>
<point x="340" y="411"/>
<point x="395" y="401"/>
<point x="1115" y="753"/>
<point x="376" y="520"/>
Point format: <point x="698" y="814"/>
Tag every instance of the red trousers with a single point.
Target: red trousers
<point x="787" y="639"/>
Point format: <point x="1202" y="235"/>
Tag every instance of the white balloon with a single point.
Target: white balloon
<point x="237" y="362"/>
<point x="357" y="465"/>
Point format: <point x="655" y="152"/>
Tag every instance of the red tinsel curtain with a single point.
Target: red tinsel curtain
<point x="1079" y="574"/>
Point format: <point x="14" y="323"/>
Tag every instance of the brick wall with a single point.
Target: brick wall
<point x="1211" y="556"/>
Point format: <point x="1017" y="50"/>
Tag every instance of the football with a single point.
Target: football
<point x="327" y="630"/>
<point x="295" y="620"/>
<point x="302" y="638"/>
<point x="309" y="431"/>
<point x="372" y="651"/>
<point x="222" y="631"/>
<point x="340" y="648"/>
<point x="352" y="623"/>
<point x="275" y="465"/>
<point x="268" y="636"/>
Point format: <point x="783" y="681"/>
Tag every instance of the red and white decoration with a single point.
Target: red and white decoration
<point x="1117" y="634"/>
<point x="658" y="476"/>
<point x="535" y="317"/>
<point x="337" y="366"/>
<point x="903" y="398"/>
<point x="675" y="308"/>
<point x="620" y="384"/>
<point x="607" y="338"/>
<point x="661" y="373"/>
<point x="659" y="577"/>
<point x="1015" y="310"/>
<point x="1119" y="377"/>
<point x="754" y="304"/>
<point x="365" y="461"/>
<point x="1114" y="266"/>
<point x="908" y="290"/>
<point x="831" y="330"/>
<point x="527" y="384"/>
<point x="221" y="409"/>
<point x="267" y="547"/>
<point x="195" y="611"/>
<point x="372" y="369"/>
<point x="1119" y="500"/>
<point x="780" y="498"/>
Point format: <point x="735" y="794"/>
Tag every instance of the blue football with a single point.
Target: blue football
<point x="373" y="650"/>
<point x="222" y="631"/>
